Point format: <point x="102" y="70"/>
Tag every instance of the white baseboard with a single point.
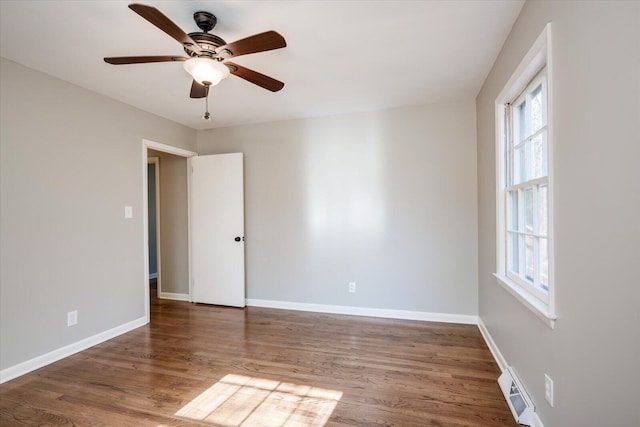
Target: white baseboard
<point x="176" y="297"/>
<point x="501" y="361"/>
<point x="153" y="276"/>
<point x="495" y="351"/>
<point x="68" y="350"/>
<point x="537" y="422"/>
<point x="363" y="311"/>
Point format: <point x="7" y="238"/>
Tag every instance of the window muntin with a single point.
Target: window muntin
<point x="526" y="189"/>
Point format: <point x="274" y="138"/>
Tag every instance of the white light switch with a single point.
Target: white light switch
<point x="72" y="318"/>
<point x="128" y="211"/>
<point x="548" y="389"/>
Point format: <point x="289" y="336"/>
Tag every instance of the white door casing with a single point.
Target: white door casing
<point x="217" y="229"/>
<point x="158" y="146"/>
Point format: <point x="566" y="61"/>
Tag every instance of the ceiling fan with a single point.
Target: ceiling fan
<point x="207" y="53"/>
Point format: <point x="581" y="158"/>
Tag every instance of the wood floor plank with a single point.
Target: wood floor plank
<point x="203" y="365"/>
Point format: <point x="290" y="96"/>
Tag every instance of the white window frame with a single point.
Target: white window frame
<point x="539" y="81"/>
<point x="535" y="68"/>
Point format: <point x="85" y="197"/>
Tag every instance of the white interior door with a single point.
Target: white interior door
<point x="217" y="230"/>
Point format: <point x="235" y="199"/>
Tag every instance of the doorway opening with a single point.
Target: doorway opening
<point x="164" y="148"/>
<point x="153" y="218"/>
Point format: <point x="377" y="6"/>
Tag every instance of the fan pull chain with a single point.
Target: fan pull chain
<point x="206" y="115"/>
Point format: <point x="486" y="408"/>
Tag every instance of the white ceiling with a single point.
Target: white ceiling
<point x="342" y="56"/>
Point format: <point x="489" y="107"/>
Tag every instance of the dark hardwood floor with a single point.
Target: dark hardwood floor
<point x="203" y="365"/>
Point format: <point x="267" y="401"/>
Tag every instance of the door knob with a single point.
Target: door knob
<point x="237" y="239"/>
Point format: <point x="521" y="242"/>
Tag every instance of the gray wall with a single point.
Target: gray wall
<point x="593" y="353"/>
<point x="152" y="224"/>
<point x="174" y="240"/>
<point x="71" y="160"/>
<point x="386" y="199"/>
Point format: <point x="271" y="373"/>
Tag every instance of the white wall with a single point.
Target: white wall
<point x="386" y="199"/>
<point x="593" y="353"/>
<point x="71" y="160"/>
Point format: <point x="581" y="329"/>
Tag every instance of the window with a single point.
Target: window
<point x="526" y="190"/>
<point x="525" y="233"/>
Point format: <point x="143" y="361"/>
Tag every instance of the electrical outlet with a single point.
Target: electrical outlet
<point x="352" y="287"/>
<point x="72" y="318"/>
<point x="548" y="389"/>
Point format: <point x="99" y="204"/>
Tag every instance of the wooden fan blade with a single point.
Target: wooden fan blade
<point x="259" y="43"/>
<point x="158" y="19"/>
<point x="255" y="77"/>
<point x="122" y="60"/>
<point x="198" y="90"/>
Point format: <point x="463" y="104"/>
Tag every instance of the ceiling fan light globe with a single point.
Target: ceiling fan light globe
<point x="206" y="70"/>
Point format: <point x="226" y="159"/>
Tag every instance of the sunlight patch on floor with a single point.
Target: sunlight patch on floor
<point x="238" y="400"/>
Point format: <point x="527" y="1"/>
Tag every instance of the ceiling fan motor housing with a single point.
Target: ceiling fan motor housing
<point x="207" y="42"/>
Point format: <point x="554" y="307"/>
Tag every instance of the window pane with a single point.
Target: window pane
<point x="536" y="109"/>
<point x="529" y="161"/>
<point x="544" y="265"/>
<point x="519" y="172"/>
<point x="528" y="258"/>
<point x="545" y="158"/>
<point x="543" y="211"/>
<point x="513" y="253"/>
<point x="521" y="125"/>
<point x="512" y="210"/>
<point x="528" y="210"/>
<point x="538" y="160"/>
<point x="508" y="162"/>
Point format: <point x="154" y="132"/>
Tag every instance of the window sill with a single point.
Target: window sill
<point x="537" y="307"/>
